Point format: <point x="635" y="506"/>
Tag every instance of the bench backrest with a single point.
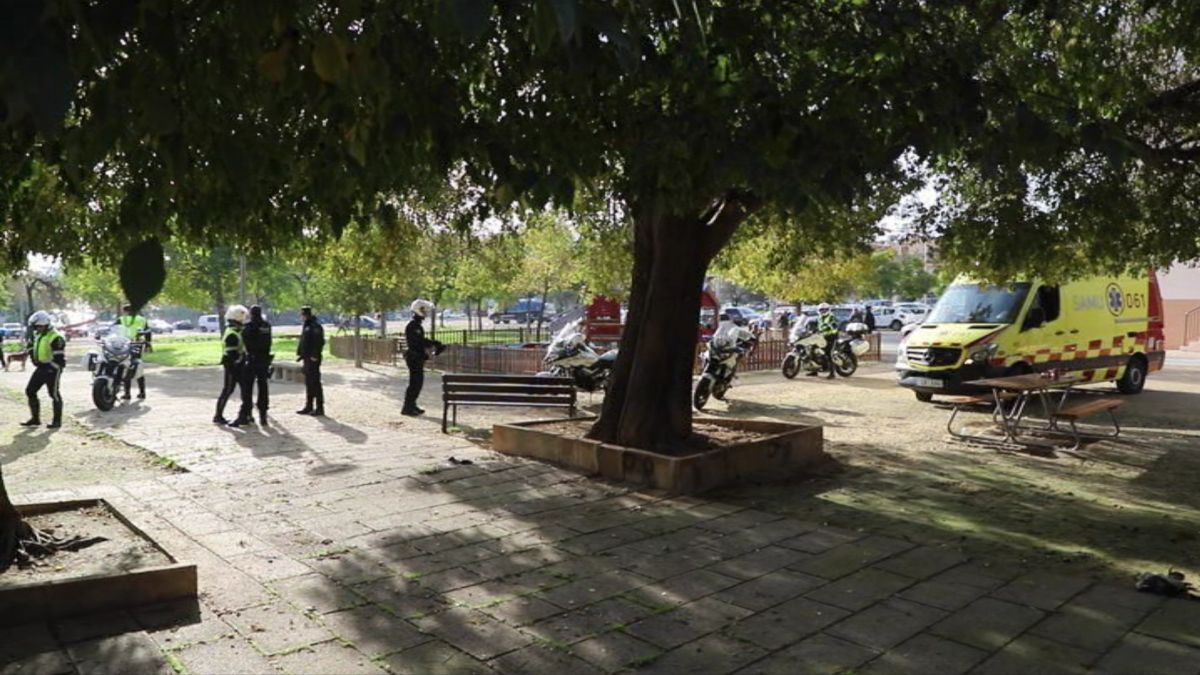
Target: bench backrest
<point x="528" y="389"/>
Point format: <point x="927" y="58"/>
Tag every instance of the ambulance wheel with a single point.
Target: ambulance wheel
<point x="923" y="396"/>
<point x="1134" y="379"/>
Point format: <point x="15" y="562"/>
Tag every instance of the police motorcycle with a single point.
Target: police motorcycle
<point x="570" y="355"/>
<point x="808" y="350"/>
<point x="116" y="364"/>
<point x="719" y="361"/>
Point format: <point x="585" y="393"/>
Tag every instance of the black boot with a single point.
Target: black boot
<point x="220" y="419"/>
<point x="141" y="388"/>
<point x="262" y="419"/>
<point x="307" y="409"/>
<point x="57" y="421"/>
<point x="35" y="417"/>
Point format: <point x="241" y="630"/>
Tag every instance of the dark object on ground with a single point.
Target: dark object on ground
<point x="460" y="462"/>
<point x="505" y="390"/>
<point x="1171" y="584"/>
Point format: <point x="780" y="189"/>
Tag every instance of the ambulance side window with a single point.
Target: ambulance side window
<point x="1046" y="307"/>
<point x="1051" y="302"/>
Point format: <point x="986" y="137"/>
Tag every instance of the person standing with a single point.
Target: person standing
<point x="415" y="353"/>
<point x="869" y="319"/>
<point x="49" y="359"/>
<point x="233" y="355"/>
<point x="256" y="336"/>
<point x="827" y="326"/>
<point x="133" y="326"/>
<point x="308" y="352"/>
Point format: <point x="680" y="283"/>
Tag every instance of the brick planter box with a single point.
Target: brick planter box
<point x="785" y="450"/>
<point x="70" y="596"/>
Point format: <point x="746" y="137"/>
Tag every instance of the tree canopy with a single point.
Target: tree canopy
<point x="1062" y="134"/>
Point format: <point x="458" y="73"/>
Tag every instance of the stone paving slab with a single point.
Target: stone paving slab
<point x="326" y="547"/>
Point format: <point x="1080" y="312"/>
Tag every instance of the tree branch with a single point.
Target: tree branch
<point x="724" y="216"/>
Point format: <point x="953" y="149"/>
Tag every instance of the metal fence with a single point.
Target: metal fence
<point x="492" y="358"/>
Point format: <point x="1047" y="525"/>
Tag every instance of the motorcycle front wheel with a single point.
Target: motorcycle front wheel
<point x="791" y="366"/>
<point x="700" y="396"/>
<point x="102" y="396"/>
<point x="844" y="363"/>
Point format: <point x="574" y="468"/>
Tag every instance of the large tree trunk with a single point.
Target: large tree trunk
<point x="20" y="543"/>
<point x="648" y="404"/>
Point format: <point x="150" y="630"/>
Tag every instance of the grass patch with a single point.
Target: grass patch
<point x="205" y="351"/>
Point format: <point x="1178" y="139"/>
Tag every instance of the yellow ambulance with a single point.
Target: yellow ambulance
<point x="1102" y="328"/>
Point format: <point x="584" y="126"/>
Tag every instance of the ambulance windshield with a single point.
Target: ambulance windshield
<point x="979" y="303"/>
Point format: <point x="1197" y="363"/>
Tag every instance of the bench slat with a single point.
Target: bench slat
<point x="1088" y="409"/>
<point x="979" y="398"/>
<point x="455" y="378"/>
<point x="505" y="389"/>
<point x="484" y="399"/>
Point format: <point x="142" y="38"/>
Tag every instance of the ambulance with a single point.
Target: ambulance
<point x="1101" y="328"/>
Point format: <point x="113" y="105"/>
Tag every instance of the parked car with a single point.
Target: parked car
<point x="916" y="309"/>
<point x="894" y="318"/>
<point x="183" y="325"/>
<point x="351" y="322"/>
<point x="158" y="326"/>
<point x="524" y="310"/>
<point x="100" y="330"/>
<point x="742" y="316"/>
<point x="13" y="330"/>
<point x="209" y="323"/>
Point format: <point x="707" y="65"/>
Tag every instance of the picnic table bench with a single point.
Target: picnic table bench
<point x="505" y="390"/>
<point x="1080" y="411"/>
<point x="1017" y="391"/>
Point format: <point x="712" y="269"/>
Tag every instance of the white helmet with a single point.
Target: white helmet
<point x="422" y="308"/>
<point x="39" y="318"/>
<point x="823" y="307"/>
<point x="237" y="313"/>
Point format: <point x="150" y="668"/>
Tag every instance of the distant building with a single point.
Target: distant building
<point x="1181" y="306"/>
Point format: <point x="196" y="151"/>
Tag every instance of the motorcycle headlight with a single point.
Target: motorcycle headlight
<point x="982" y="354"/>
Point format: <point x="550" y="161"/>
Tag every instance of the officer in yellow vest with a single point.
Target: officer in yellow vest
<point x="49" y="359"/>
<point x="134" y="326"/>
<point x="233" y="357"/>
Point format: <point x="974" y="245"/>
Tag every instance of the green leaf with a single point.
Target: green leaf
<point x="329" y="59"/>
<point x="143" y="272"/>
<point x="273" y="65"/>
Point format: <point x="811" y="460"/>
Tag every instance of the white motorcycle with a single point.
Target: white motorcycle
<point x="718" y="366"/>
<point x="808" y="350"/>
<point x="116" y="364"/>
<point x="570" y="355"/>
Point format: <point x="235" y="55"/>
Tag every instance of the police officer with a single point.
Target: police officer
<point x="233" y="356"/>
<point x="308" y="353"/>
<point x="827" y="325"/>
<point x="49" y="359"/>
<point x="416" y="352"/>
<point x="133" y="326"/>
<point x="256" y="336"/>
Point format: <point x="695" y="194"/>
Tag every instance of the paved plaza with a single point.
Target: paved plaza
<point x="354" y="544"/>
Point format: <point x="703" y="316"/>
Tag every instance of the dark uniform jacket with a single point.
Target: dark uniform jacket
<point x="257" y="337"/>
<point x="312" y="340"/>
<point x="416" y="344"/>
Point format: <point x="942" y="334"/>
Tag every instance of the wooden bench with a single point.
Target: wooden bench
<point x="287" y="372"/>
<point x="1072" y="414"/>
<point x="505" y="390"/>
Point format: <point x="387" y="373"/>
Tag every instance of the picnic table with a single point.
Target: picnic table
<point x="1018" y="391"/>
